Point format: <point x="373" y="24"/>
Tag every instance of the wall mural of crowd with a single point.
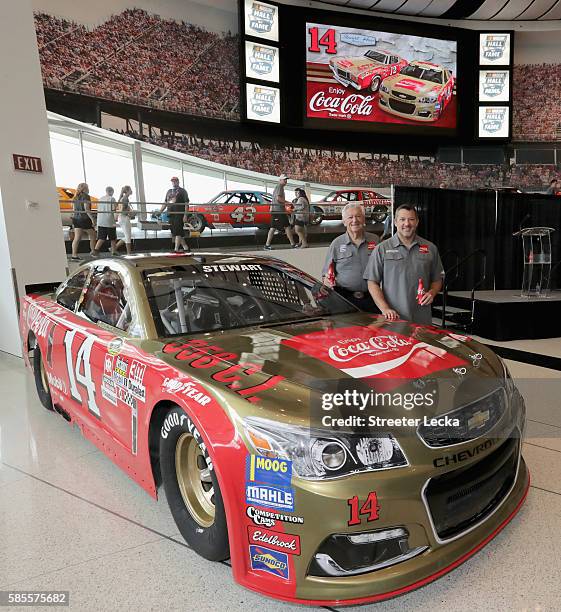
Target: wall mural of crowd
<point x="145" y="60"/>
<point x="330" y="167"/>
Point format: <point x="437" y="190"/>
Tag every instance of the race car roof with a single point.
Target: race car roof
<point x="145" y="261"/>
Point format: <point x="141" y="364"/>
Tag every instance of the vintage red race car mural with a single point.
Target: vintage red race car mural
<point x="368" y="70"/>
<point x="376" y="205"/>
<point x="229" y="381"/>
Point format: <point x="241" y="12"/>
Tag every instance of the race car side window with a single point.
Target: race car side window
<point x="106" y="300"/>
<point x="69" y="292"/>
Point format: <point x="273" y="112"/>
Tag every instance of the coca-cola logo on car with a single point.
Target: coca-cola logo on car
<point x="347" y="350"/>
<point x="336" y="101"/>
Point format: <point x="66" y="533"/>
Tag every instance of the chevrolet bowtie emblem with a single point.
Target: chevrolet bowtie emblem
<point x="478" y="419"/>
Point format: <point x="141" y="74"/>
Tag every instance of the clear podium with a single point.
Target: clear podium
<point x="536" y="243"/>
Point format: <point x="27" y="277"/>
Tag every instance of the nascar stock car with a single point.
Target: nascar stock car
<point x="421" y="91"/>
<point x="219" y="377"/>
<point x="376" y="206"/>
<point x="232" y="208"/>
<point x="367" y="71"/>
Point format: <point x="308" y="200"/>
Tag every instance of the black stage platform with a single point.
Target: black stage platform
<point x="505" y="315"/>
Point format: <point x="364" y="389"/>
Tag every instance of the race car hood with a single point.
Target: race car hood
<point x="411" y="85"/>
<point x="286" y="364"/>
<point x="356" y="64"/>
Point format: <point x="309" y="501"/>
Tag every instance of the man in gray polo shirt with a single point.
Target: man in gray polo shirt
<point x="397" y="264"/>
<point x="349" y="254"/>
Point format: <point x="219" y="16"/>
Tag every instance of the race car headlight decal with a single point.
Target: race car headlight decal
<point x="316" y="455"/>
<point x="428" y="99"/>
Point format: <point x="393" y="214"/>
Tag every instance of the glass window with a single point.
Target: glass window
<point x="220" y="199"/>
<point x="235" y="293"/>
<point x="202" y="183"/>
<point x="353" y="196"/>
<point x="394" y="59"/>
<point x="377" y="56"/>
<point x="108" y="162"/>
<point x="158" y="170"/>
<point x="67" y="157"/>
<point x="69" y="292"/>
<point x="106" y="300"/>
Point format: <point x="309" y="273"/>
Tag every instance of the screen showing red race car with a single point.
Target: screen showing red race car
<point x="380" y="77"/>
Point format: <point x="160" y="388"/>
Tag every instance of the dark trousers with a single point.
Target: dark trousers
<point x="365" y="303"/>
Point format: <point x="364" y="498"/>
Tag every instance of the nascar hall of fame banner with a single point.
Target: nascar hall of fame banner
<point x="263" y="103"/>
<point x="494" y="86"/>
<point x="494" y="49"/>
<point x="261" y="62"/>
<point x="493" y="122"/>
<point x="356" y="75"/>
<point x="261" y="20"/>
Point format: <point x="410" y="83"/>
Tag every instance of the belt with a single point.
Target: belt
<point x="358" y="295"/>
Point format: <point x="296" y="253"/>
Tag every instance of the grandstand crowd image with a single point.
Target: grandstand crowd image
<point x="279" y="290"/>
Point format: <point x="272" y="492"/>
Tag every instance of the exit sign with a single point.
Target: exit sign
<point x="27" y="163"/>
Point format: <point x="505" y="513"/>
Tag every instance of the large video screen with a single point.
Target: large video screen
<point x="380" y="77"/>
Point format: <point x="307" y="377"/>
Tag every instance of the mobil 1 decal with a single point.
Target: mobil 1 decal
<point x="268" y="483"/>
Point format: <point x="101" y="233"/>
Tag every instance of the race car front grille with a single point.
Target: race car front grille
<point x="402" y="107"/>
<point x="463" y="498"/>
<point x="476" y="419"/>
<point x="402" y="96"/>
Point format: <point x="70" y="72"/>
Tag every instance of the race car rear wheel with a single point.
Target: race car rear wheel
<point x="197" y="222"/>
<point x="316" y="216"/>
<point x="375" y="84"/>
<point x="41" y="379"/>
<point x="191" y="487"/>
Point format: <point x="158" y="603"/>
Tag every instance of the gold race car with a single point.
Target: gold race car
<point x="421" y="91"/>
<point x="334" y="456"/>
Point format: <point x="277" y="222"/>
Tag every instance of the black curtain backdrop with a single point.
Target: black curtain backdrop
<point x="463" y="221"/>
<point x="458" y="222"/>
<point x="516" y="211"/>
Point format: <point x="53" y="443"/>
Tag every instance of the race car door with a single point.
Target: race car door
<point x="101" y="366"/>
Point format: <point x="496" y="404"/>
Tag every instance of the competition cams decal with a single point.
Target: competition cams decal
<point x="267" y="518"/>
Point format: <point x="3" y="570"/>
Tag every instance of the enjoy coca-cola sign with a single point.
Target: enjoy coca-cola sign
<point x="338" y="102"/>
<point x="347" y="350"/>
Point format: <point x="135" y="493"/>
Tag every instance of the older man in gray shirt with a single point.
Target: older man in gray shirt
<point x="347" y="258"/>
<point x="399" y="265"/>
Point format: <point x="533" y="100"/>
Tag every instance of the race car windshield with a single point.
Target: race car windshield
<point x="202" y="298"/>
<point x="378" y="57"/>
<point x="425" y="74"/>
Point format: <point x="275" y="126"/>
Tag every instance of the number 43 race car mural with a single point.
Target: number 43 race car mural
<point x="333" y="456"/>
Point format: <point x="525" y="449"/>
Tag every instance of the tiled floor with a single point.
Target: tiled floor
<point x="71" y="520"/>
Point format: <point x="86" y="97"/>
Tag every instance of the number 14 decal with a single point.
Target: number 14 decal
<point x="75" y="370"/>
<point x="369" y="509"/>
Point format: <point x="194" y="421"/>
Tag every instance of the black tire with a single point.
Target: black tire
<point x="197" y="222"/>
<point x="379" y="214"/>
<point x="375" y="84"/>
<point x="317" y="216"/>
<point x="41" y="381"/>
<point x="191" y="487"/>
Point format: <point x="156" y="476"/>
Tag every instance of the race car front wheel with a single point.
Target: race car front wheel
<point x="375" y="84"/>
<point x="41" y="379"/>
<point x="192" y="488"/>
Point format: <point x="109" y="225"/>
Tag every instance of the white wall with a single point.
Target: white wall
<point x="30" y="238"/>
<point x="537" y="47"/>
